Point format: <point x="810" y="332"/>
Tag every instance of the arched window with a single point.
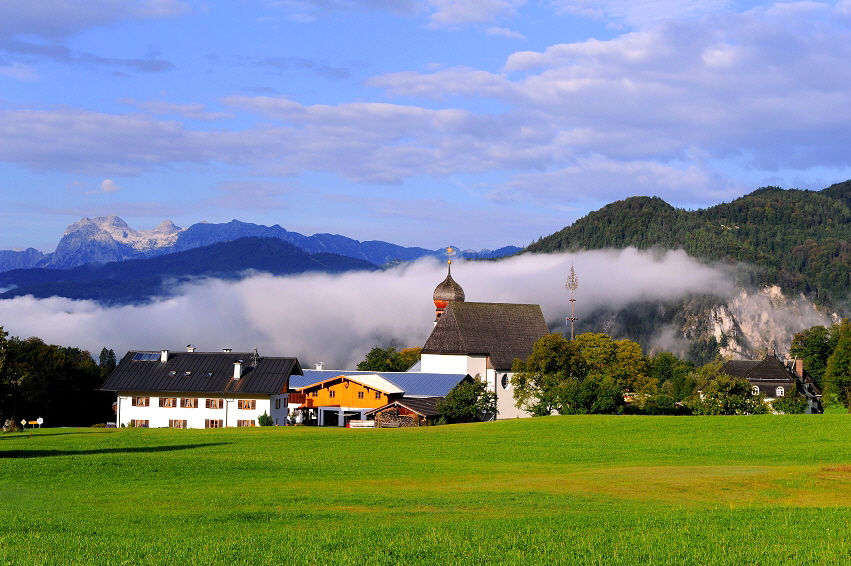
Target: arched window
<point x="781" y="392"/>
<point x="505" y="381"/>
<point x="755" y="390"/>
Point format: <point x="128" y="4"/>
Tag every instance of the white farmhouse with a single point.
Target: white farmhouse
<point x="200" y="389"/>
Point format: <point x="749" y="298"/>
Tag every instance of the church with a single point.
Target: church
<point x="481" y="340"/>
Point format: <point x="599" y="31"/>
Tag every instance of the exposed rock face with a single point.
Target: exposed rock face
<point x="109" y="238"/>
<point x="20" y="259"/>
<point x="751" y="323"/>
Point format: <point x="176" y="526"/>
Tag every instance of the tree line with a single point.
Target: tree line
<point x="59" y="384"/>
<point x="797" y="239"/>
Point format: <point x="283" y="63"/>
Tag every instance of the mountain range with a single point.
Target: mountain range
<point x="109" y="239"/>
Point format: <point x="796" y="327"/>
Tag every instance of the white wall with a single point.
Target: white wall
<point x="158" y="417"/>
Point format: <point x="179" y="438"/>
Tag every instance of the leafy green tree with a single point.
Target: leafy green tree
<point x="379" y="359"/>
<point x="726" y="395"/>
<point x="790" y="405"/>
<point x="673" y="376"/>
<point x="467" y="402"/>
<point x="815" y="345"/>
<point x="539" y="379"/>
<point x="837" y="374"/>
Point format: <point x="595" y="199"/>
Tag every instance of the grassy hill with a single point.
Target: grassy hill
<point x="557" y="490"/>
<point x="797" y="239"/>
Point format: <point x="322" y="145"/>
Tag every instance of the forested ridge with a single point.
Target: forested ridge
<point x="798" y="239"/>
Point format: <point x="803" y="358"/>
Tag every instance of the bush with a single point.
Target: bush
<point x="265" y="419"/>
<point x="791" y="405"/>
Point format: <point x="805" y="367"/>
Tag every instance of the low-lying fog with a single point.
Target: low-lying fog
<point x="337" y="319"/>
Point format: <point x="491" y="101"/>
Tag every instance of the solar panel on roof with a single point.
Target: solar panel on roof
<point x="145" y="357"/>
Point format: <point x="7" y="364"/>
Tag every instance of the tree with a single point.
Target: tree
<point x="379" y="359"/>
<point x="468" y="401"/>
<point x="814" y="346"/>
<point x="539" y="379"/>
<point x="837" y="374"/>
<point x="726" y="395"/>
<point x="107" y="362"/>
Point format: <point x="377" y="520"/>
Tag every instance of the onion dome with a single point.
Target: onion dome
<point x="446" y="292"/>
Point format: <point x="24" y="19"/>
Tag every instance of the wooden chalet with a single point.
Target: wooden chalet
<point x="406" y="412"/>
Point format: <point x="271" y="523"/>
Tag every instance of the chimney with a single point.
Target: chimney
<point x="799" y="367"/>
<point x="771" y="353"/>
<point x="320" y="366"/>
<point x="164" y="355"/>
<point x="237" y="369"/>
<point x="190" y="348"/>
<point x="227" y="350"/>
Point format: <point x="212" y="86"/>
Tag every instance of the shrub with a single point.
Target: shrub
<point x="265" y="419"/>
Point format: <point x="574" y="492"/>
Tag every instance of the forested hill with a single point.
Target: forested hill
<point x="799" y="239"/>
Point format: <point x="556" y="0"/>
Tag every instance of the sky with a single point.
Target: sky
<point x="476" y="123"/>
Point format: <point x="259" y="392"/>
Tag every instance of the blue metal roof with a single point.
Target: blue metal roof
<point x="414" y="384"/>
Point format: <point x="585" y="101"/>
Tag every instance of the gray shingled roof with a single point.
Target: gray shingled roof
<point x="503" y="331"/>
<point x="202" y="372"/>
<point x="768" y="374"/>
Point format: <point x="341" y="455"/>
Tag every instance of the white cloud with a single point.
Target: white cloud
<point x="108" y="186"/>
<point x="338" y="319"/>
<point x="504" y="32"/>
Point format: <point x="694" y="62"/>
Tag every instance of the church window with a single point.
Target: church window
<point x="781" y="392"/>
<point x="755" y="390"/>
<point x="505" y="381"/>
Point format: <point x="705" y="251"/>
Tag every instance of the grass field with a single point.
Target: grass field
<point x="571" y="490"/>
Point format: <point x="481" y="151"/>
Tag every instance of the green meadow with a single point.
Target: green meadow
<point x="769" y="489"/>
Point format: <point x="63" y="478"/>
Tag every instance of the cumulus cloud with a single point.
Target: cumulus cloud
<point x="337" y="319"/>
<point x="19" y="72"/>
<point x="504" y="32"/>
<point x="108" y="186"/>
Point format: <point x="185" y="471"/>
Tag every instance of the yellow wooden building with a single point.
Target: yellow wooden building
<point x="341" y="398"/>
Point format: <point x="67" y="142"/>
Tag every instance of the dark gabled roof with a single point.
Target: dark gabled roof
<point x="208" y="372"/>
<point x="503" y="331"/>
<point x="770" y="373"/>
<point x="414" y="384"/>
<point x="423" y="406"/>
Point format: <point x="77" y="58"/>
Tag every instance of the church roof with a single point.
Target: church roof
<point x="503" y="331"/>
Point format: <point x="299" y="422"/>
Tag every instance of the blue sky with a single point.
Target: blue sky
<point x="479" y="123"/>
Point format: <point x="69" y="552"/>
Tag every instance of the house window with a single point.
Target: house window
<point x="213" y="423"/>
<point x="175" y="423"/>
<point x="245" y="423"/>
<point x="378" y="394"/>
<point x="140" y="423"/>
<point x="215" y="403"/>
<point x="168" y="402"/>
<point x="247" y="404"/>
<point x="360" y="394"/>
<point x="189" y="403"/>
<point x="755" y="390"/>
<point x="277" y="403"/>
<point x="140" y="401"/>
<point x="332" y="393"/>
<point x="314" y="393"/>
<point x="780" y="392"/>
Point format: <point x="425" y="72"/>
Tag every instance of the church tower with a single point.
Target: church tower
<point x="447" y="291"/>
